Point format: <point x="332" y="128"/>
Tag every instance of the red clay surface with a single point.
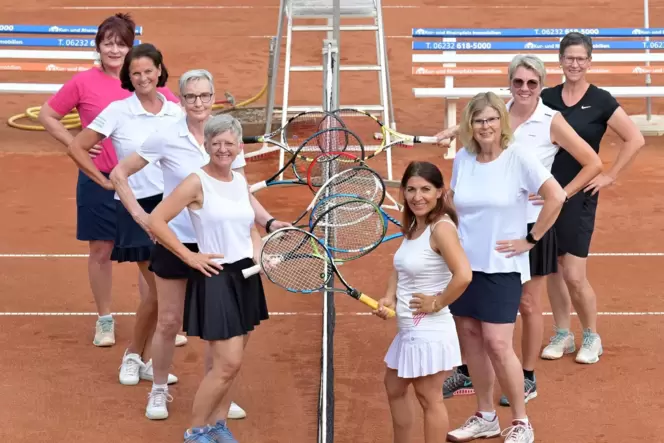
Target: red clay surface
<point x="58" y="387"/>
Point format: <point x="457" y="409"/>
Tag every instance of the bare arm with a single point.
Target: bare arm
<point x="78" y="151"/>
<point x="50" y="120"/>
<point x="554" y="198"/>
<point x="633" y="142"/>
<point x="445" y="241"/>
<point x="564" y="136"/>
<point x="120" y="179"/>
<point x="188" y="192"/>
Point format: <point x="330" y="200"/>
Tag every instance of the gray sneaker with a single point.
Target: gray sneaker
<point x="529" y="390"/>
<point x="457" y="384"/>
<point x="221" y="433"/>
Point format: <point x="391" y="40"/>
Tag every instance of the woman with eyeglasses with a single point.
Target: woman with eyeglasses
<point x="490" y="186"/>
<point x="542" y="131"/>
<point x="590" y="111"/>
<point x="179" y="150"/>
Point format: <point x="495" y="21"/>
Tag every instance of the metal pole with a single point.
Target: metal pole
<point x="275" y="68"/>
<point x="646" y="24"/>
<point x="270" y="92"/>
<point x="336" y="28"/>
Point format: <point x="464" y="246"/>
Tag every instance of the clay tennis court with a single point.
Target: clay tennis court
<point x="56" y="386"/>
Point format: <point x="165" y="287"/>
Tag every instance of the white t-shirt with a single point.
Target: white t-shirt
<point x="491" y="200"/>
<point x="128" y="124"/>
<point x="535" y="135"/>
<point x="223" y="224"/>
<point x="421" y="270"/>
<point x="179" y="154"/>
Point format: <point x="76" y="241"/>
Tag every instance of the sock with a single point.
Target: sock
<point x="464" y="370"/>
<point x="489" y="416"/>
<point x="106" y="317"/>
<point x="156" y="386"/>
<point x="522" y="420"/>
<point x="530" y="375"/>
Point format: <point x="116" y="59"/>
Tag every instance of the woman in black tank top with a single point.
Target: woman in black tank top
<point x="589" y="110"/>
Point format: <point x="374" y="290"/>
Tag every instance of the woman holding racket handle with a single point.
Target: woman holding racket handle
<point x="431" y="270"/>
<point x="544" y="132"/>
<point x="490" y="186"/>
<point x="221" y="306"/>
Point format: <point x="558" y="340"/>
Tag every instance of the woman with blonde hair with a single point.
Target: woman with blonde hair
<point x="490" y="188"/>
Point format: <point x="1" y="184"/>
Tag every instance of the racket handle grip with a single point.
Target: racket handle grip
<point x="373" y="304"/>
<point x="425" y="139"/>
<point x="257" y="186"/>
<point x="251" y="140"/>
<point x="251" y="271"/>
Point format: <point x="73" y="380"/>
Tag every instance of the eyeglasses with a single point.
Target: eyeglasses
<point x="519" y="82"/>
<point x="569" y="60"/>
<point x="191" y="98"/>
<point x="483" y="121"/>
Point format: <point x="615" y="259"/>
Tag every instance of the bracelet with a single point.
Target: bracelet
<point x="268" y="224"/>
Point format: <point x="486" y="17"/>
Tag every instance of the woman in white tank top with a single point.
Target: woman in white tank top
<point x="221" y="306"/>
<point x="430" y="271"/>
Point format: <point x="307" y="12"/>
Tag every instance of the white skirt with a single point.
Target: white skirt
<point x="416" y="353"/>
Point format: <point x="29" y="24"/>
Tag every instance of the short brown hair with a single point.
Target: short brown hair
<point x="119" y="25"/>
<point x="146" y="50"/>
<point x="476" y="105"/>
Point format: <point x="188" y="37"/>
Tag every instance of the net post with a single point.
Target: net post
<point x="646" y="24"/>
<point x="273" y="69"/>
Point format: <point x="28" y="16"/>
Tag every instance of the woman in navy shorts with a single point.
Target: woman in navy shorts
<point x="490" y="187"/>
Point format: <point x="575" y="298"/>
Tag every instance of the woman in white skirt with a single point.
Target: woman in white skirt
<point x="430" y="271"/>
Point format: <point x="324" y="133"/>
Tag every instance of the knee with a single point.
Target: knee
<point x="228" y="368"/>
<point x="498" y="348"/>
<point x="392" y="388"/>
<point x="100" y="252"/>
<point x="469" y="330"/>
<point x="575" y="279"/>
<point x="530" y="304"/>
<point x="169" y="323"/>
<point x="429" y="400"/>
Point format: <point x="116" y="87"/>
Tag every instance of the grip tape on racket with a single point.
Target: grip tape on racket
<point x="373" y="304"/>
<point x="425" y="139"/>
<point x="251" y="271"/>
<point x="257" y="186"/>
<point x="250" y="140"/>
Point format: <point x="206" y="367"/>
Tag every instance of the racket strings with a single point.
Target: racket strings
<point x="359" y="182"/>
<point x="328" y="164"/>
<point x="300" y="127"/>
<point x="295" y="261"/>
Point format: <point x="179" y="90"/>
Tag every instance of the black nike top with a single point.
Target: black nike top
<point x="588" y="117"/>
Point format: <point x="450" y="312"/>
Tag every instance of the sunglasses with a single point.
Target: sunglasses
<point x="518" y="83"/>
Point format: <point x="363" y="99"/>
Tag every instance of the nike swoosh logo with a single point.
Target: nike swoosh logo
<point x="585" y="107"/>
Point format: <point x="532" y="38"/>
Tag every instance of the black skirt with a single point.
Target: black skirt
<point x="225" y="305"/>
<point x="132" y="243"/>
<point x="544" y="255"/>
<point x="490" y="298"/>
<point x="165" y="264"/>
<point x="575" y="225"/>
<point x="96" y="216"/>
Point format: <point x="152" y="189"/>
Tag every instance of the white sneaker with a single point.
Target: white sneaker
<point x="146" y="373"/>
<point x="157" y="409"/>
<point x="235" y="412"/>
<point x="180" y="340"/>
<point x="591" y="348"/>
<point x="475" y="427"/>
<point x="560" y="344"/>
<point x="519" y="432"/>
<point x="104" y="333"/>
<point x="130" y="369"/>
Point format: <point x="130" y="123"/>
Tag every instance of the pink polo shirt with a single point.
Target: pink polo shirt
<point x="90" y="92"/>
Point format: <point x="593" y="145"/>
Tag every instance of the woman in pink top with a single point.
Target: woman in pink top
<point x="89" y="92"/>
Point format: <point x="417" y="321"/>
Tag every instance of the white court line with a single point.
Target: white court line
<point x="208" y="7"/>
<point x="291" y="314"/>
<point x="592" y="254"/>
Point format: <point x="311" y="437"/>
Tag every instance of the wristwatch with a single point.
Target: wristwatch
<point x="530" y="239"/>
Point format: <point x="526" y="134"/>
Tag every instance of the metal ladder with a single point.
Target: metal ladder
<point x="294" y="11"/>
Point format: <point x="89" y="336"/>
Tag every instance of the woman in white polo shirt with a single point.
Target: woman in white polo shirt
<point x="128" y="123"/>
<point x="490" y="187"/>
<point x="179" y="151"/>
<point x="221" y="306"/>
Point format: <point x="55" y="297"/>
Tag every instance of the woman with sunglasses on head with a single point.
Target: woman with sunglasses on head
<point x="128" y="123"/>
<point x="89" y="92"/>
<point x="542" y="131"/>
<point x="589" y="110"/>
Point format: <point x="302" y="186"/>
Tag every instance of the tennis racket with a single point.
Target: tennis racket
<point x="359" y="181"/>
<point x="329" y="163"/>
<point x="297" y="261"/>
<point x="305" y="154"/>
<point x="367" y="125"/>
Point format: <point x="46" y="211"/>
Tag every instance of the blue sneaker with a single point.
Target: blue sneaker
<point x="199" y="435"/>
<point x="221" y="433"/>
<point x="529" y="392"/>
